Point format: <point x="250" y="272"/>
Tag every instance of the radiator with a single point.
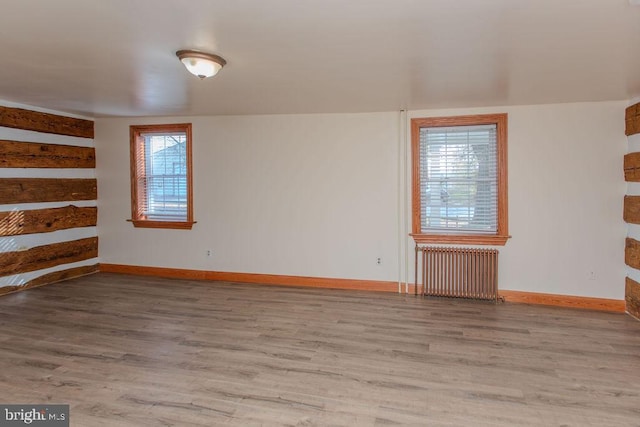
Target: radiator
<point x="457" y="272"/>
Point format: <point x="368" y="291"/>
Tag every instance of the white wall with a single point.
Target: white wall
<point x="566" y="187"/>
<point x="316" y="195"/>
<point x="310" y="195"/>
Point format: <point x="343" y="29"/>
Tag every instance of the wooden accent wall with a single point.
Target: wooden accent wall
<point x="31" y="266"/>
<point x="45" y="122"/>
<point x="632" y="212"/>
<point x="632" y="167"/>
<point x="46" y="256"/>
<point x="46" y="279"/>
<point x="15" y="223"/>
<point x="632" y="297"/>
<point x="632" y="253"/>
<point x="17" y="154"/>
<point x="632" y="120"/>
<point x="36" y="190"/>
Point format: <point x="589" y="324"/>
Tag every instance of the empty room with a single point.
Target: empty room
<point x="321" y="212"/>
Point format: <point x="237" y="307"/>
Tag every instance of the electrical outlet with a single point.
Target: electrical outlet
<point x="208" y="252"/>
<point x="379" y="261"/>
<point x="592" y="275"/>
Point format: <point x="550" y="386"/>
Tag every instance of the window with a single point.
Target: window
<point x="460" y="179"/>
<point x="161" y="190"/>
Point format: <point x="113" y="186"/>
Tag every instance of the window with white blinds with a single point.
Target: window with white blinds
<point x="460" y="179"/>
<point x="164" y="181"/>
<point x="161" y="185"/>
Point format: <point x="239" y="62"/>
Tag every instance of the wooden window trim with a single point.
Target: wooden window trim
<point x="137" y="218"/>
<point x="502" y="234"/>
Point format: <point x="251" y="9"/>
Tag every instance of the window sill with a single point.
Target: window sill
<point x="178" y="225"/>
<point x="461" y="239"/>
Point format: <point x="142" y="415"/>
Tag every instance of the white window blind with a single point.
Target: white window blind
<point x="458" y="179"/>
<point x="164" y="179"/>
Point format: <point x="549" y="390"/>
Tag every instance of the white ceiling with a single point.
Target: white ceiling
<point x="117" y="57"/>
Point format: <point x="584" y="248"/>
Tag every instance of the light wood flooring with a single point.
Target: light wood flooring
<point x="135" y="351"/>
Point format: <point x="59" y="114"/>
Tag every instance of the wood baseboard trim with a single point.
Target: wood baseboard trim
<point x="254" y="278"/>
<point x="352" y="284"/>
<point x="601" y="304"/>
<point x="50" y="278"/>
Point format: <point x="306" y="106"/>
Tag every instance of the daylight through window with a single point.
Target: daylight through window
<point x="460" y="179"/>
<point x="161" y="181"/>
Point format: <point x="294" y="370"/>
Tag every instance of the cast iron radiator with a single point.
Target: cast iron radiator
<point x="457" y="272"/>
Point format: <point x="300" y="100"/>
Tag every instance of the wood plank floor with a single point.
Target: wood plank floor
<point x="134" y="351"/>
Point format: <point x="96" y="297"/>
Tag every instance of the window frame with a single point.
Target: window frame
<point x="502" y="233"/>
<point x="136" y="132"/>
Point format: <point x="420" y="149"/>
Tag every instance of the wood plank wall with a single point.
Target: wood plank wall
<point x="48" y="194"/>
<point x="632" y="119"/>
<point x="632" y="209"/>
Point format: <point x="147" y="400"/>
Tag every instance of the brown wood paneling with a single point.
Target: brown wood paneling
<point x="632" y="119"/>
<point x="16" y="154"/>
<point x="632" y="209"/>
<point x="632" y="253"/>
<point x="45" y="220"/>
<point x="602" y="304"/>
<point x="632" y="167"/>
<point x="632" y="297"/>
<point x="56" y="276"/>
<point x="32" y="190"/>
<point x="47" y="256"/>
<point x="44" y="122"/>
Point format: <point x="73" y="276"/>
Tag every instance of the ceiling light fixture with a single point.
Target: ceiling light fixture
<point x="201" y="64"/>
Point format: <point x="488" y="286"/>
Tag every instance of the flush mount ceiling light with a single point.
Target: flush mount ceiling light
<point x="201" y="64"/>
